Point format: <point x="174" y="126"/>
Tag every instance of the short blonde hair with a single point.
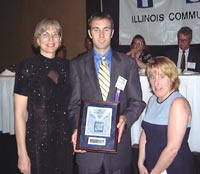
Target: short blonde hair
<point x="167" y="67"/>
<point x="43" y="26"/>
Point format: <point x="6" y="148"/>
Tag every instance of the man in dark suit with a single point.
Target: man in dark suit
<point x="86" y="86"/>
<point x="191" y="56"/>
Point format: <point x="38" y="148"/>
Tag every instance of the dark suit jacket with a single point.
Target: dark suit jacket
<point x="193" y="56"/>
<point x="86" y="87"/>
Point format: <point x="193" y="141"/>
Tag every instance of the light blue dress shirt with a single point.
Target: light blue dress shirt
<point x="97" y="60"/>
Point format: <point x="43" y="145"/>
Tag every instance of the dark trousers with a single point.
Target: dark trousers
<point x="104" y="169"/>
<point x="135" y="152"/>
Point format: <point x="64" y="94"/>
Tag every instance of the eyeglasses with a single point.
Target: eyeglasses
<point x="47" y="35"/>
<point x="138" y="43"/>
<point x="184" y="40"/>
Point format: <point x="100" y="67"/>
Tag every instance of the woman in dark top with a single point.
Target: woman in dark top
<point x="43" y="90"/>
<point x="138" y="51"/>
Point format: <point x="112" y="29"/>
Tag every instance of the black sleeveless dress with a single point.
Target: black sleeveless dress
<point x="157" y="140"/>
<point x="48" y="131"/>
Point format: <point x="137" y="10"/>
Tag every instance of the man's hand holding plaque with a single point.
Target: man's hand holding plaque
<point x="121" y="124"/>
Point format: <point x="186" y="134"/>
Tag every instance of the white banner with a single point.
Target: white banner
<point x="158" y="21"/>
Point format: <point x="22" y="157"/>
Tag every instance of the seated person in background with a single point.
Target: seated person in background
<point x="62" y="52"/>
<point x="139" y="51"/>
<point x="166" y="124"/>
<point x="88" y="43"/>
<point x="184" y="56"/>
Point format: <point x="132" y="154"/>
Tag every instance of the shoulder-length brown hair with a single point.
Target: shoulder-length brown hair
<point x="43" y="26"/>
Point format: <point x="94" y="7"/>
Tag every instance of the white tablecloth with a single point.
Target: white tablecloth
<point x="6" y="104"/>
<point x="190" y="88"/>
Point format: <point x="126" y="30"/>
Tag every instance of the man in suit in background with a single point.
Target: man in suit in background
<point x="184" y="56"/>
<point x="86" y="86"/>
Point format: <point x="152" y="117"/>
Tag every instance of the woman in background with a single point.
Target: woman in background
<point x="61" y="52"/>
<point x="43" y="90"/>
<point x="138" y="51"/>
<point x="166" y="124"/>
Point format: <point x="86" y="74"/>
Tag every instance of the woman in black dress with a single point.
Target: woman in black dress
<point x="42" y="89"/>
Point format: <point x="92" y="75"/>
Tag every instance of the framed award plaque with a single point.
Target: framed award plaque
<point x="97" y="130"/>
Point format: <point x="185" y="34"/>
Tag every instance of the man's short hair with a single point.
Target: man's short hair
<point x="100" y="16"/>
<point x="185" y="31"/>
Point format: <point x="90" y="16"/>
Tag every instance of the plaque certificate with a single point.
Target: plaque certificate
<point x="97" y="129"/>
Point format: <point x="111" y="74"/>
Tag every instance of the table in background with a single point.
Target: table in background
<point x="7" y="104"/>
<point x="189" y="88"/>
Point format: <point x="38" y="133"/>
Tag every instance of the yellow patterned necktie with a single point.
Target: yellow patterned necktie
<point x="104" y="78"/>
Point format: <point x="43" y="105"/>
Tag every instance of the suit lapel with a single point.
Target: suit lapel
<point x="115" y="72"/>
<point x="176" y="57"/>
<point x="190" y="55"/>
<point x="93" y="79"/>
<point x="92" y="75"/>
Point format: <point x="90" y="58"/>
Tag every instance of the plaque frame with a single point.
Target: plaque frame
<point x="99" y="139"/>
